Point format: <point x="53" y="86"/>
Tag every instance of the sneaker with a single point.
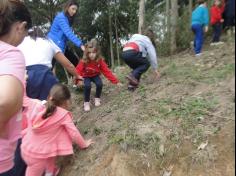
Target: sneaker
<point x="198" y="55"/>
<point x="97" y="102"/>
<point x="216" y="43"/>
<point x="86" y="106"/>
<point x="220" y="43"/>
<point x="213" y="44"/>
<point x="132" y="80"/>
<point x="55" y="172"/>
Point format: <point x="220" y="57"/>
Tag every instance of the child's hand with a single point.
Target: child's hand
<point x="82" y="47"/>
<point x="78" y="79"/>
<point x="222" y="20"/>
<point x="206" y="29"/>
<point x="88" y="143"/>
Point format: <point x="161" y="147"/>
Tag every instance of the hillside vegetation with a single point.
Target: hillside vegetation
<point x="182" y="125"/>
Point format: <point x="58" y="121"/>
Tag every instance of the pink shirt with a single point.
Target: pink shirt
<point x="44" y="138"/>
<point x="12" y="63"/>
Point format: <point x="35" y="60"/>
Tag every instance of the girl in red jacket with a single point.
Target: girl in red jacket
<point x="217" y="20"/>
<point x="90" y="68"/>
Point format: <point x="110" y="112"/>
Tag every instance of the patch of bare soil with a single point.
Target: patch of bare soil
<point x="182" y="125"/>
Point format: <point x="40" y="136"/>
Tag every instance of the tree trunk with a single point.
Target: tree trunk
<point x="141" y="15"/>
<point x="190" y="10"/>
<point x="174" y="23"/>
<point x="117" y="40"/>
<point x="110" y="39"/>
<point x="168" y="22"/>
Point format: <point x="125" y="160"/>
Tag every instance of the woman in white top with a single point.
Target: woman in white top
<point x="39" y="52"/>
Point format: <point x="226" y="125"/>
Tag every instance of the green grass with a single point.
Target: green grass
<point x="184" y="73"/>
<point x="149" y="143"/>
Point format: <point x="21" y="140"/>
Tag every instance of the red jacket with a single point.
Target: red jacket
<point x="94" y="68"/>
<point x="216" y="14"/>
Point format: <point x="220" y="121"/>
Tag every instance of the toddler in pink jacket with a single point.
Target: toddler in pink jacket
<point x="49" y="133"/>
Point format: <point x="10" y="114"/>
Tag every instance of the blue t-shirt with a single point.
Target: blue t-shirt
<point x="200" y="16"/>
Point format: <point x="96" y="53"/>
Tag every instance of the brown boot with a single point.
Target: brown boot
<point x="132" y="80"/>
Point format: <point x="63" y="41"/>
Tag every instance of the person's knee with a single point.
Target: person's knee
<point x="87" y="86"/>
<point x="99" y="85"/>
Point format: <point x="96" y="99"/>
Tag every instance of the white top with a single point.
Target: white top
<point x="40" y="51"/>
<point x="146" y="47"/>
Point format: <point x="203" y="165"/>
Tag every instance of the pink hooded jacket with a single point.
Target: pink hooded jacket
<point x="44" y="138"/>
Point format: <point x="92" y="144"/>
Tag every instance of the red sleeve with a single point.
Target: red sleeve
<point x="216" y="15"/>
<point x="74" y="132"/>
<point x="80" y="68"/>
<point x="222" y="7"/>
<point x="107" y="72"/>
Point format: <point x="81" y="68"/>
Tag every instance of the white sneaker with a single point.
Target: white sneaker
<point x="97" y="102"/>
<point x="198" y="55"/>
<point x="216" y="43"/>
<point x="213" y="44"/>
<point x="220" y="43"/>
<point x="86" y="106"/>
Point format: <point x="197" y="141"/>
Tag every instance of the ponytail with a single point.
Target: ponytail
<point x="36" y="32"/>
<point x="150" y="34"/>
<point x="50" y="109"/>
<point x="58" y="94"/>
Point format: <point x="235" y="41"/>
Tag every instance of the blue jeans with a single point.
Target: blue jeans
<point x="137" y="62"/>
<point x="199" y="37"/>
<point x="87" y="87"/>
<point x="217" y="28"/>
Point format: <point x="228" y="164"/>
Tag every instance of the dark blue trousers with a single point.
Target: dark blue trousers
<point x="136" y="62"/>
<point x="87" y="87"/>
<point x="217" y="28"/>
<point x="199" y="37"/>
<point x="40" y="81"/>
<point x="8" y="173"/>
<point x="20" y="166"/>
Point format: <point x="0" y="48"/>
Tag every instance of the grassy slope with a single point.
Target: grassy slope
<point x="158" y="128"/>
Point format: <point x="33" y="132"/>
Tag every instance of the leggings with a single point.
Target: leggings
<point x="36" y="166"/>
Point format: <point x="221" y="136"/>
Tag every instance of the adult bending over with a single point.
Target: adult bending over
<point x="139" y="53"/>
<point x="39" y="52"/>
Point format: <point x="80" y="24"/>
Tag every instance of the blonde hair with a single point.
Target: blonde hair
<point x="92" y="46"/>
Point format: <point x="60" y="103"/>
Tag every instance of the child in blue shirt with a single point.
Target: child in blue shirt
<point x="200" y="21"/>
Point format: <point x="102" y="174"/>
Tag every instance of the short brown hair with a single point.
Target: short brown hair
<point x="12" y="11"/>
<point x="201" y="2"/>
<point x="150" y="34"/>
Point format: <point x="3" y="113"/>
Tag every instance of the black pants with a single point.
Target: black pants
<point x="87" y="87"/>
<point x="217" y="28"/>
<point x="136" y="62"/>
